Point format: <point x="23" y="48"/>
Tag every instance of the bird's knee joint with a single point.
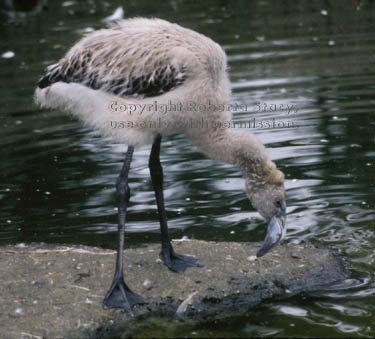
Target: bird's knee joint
<point x="123" y="189"/>
<point x="156" y="172"/>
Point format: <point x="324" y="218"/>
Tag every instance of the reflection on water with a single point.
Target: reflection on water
<point x="57" y="177"/>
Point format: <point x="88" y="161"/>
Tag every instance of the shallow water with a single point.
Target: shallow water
<point x="57" y="177"/>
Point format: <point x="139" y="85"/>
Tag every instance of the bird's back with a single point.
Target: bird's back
<point x="139" y="57"/>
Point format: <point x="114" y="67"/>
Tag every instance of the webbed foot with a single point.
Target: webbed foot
<point x="120" y="296"/>
<point x="177" y="262"/>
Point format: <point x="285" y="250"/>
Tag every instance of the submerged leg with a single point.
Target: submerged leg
<point x="119" y="295"/>
<point x="175" y="262"/>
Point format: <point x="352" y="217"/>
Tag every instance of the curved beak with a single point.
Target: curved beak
<point x="275" y="232"/>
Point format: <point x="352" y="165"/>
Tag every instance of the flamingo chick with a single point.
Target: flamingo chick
<point x="125" y="76"/>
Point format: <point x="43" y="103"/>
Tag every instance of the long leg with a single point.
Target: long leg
<point x="119" y="295"/>
<point x="175" y="262"/>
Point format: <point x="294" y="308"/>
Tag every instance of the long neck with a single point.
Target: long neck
<point x="232" y="146"/>
<point x="242" y="149"/>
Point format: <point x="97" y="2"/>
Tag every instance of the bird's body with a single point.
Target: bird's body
<point x="131" y="74"/>
<point x="146" y="78"/>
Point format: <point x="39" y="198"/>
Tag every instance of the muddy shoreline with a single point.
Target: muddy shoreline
<point x="56" y="291"/>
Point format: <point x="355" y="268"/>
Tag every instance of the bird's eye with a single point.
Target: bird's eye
<point x="278" y="203"/>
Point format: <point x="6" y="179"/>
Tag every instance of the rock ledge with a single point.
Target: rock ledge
<point x="51" y="291"/>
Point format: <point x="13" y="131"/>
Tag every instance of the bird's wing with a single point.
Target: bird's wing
<point x="119" y="64"/>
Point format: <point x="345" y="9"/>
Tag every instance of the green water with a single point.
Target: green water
<point x="57" y="177"/>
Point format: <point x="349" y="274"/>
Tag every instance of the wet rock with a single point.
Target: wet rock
<point x="57" y="291"/>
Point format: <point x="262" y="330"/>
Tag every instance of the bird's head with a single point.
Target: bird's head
<point x="267" y="194"/>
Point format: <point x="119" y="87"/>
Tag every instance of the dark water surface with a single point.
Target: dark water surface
<point x="57" y="177"/>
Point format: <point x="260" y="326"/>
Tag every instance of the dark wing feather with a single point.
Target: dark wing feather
<point x="78" y="68"/>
